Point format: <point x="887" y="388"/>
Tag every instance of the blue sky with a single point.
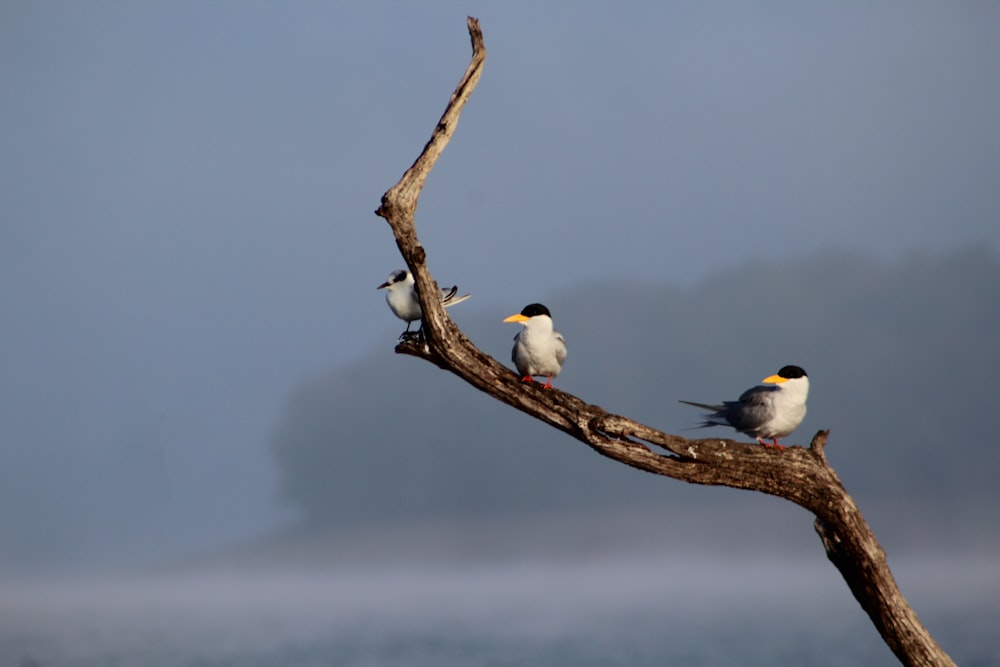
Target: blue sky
<point x="187" y="193"/>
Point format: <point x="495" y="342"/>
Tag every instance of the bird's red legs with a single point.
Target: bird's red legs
<point x="548" y="383"/>
<point x="769" y="445"/>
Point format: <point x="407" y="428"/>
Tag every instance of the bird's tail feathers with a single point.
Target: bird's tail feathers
<point x="450" y="300"/>
<point x="701" y="426"/>
<point x="705" y="406"/>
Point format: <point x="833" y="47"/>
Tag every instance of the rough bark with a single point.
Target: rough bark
<point x="798" y="474"/>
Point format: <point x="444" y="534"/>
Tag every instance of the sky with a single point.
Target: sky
<point x="187" y="193"/>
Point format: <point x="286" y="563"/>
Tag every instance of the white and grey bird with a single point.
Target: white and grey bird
<point x="539" y="350"/>
<point x="765" y="412"/>
<point x="402" y="297"/>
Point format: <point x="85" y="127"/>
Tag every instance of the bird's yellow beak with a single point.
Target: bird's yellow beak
<point x="517" y="318"/>
<point x="774" y="379"/>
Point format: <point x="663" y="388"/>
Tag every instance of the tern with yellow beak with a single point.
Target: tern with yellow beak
<point x="765" y="412"/>
<point x="402" y="298"/>
<point x="539" y="350"/>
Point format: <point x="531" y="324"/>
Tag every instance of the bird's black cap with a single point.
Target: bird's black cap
<point x="791" y="372"/>
<point x="533" y="309"/>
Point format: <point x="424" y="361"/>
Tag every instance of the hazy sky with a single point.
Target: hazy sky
<point x="187" y="190"/>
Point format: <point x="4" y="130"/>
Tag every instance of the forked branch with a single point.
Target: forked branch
<point x="798" y="474"/>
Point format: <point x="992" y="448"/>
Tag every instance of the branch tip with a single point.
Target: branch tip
<point x="475" y="32"/>
<point x="819" y="441"/>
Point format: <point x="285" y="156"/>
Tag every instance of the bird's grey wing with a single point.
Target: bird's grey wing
<point x="519" y="355"/>
<point x="446" y="293"/>
<point x="560" y="348"/>
<point x="756" y="396"/>
<point x="754" y="409"/>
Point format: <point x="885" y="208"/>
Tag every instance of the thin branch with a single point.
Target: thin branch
<point x="800" y="475"/>
<point x="400" y="203"/>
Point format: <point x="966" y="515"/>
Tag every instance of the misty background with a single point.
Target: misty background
<point x="197" y="365"/>
<point x="195" y="352"/>
<point x="198" y="372"/>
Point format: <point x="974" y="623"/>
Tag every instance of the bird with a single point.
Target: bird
<point x="766" y="412"/>
<point x="539" y="350"/>
<point x="402" y="298"/>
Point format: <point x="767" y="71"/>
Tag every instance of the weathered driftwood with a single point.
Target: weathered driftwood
<point x="798" y="474"/>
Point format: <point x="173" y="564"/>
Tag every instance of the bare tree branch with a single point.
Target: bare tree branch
<point x="801" y="475"/>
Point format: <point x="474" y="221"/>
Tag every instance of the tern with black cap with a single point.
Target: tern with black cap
<point x="766" y="412"/>
<point x="539" y="350"/>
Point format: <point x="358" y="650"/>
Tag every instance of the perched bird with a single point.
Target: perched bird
<point x="538" y="348"/>
<point x="402" y="298"/>
<point x="768" y="411"/>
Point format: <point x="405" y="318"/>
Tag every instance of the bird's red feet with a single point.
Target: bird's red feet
<point x="770" y="445"/>
<point x="547" y="385"/>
